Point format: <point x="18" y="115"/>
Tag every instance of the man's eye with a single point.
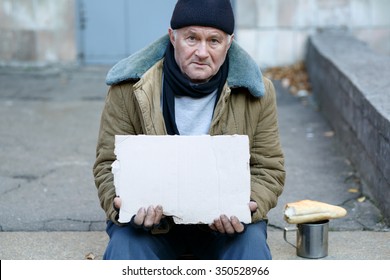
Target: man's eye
<point x="214" y="42"/>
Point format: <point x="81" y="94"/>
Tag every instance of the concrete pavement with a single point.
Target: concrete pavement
<point x="49" y="208"/>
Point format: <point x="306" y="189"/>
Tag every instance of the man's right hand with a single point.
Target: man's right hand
<point x="144" y="218"/>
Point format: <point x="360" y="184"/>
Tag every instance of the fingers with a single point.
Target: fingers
<point x="229" y="226"/>
<point x="159" y="214"/>
<point x="233" y="225"/>
<point x="253" y="206"/>
<point x="237" y="225"/>
<point x="148" y="217"/>
<point x="140" y="217"/>
<point x="117" y="202"/>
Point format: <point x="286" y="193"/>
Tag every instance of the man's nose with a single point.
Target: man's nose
<point x="202" y="50"/>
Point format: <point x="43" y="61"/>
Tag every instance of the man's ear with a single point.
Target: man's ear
<point x="231" y="40"/>
<point x="172" y="36"/>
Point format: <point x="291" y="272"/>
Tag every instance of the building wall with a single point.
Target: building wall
<point x="275" y="31"/>
<point x="37" y="32"/>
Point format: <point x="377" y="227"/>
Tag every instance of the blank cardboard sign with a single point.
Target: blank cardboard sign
<point x="194" y="178"/>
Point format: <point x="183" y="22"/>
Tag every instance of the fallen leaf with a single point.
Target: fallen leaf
<point x="294" y="77"/>
<point x="329" y="133"/>
<point x="353" y="190"/>
<point x="361" y="199"/>
<point x="90" y="256"/>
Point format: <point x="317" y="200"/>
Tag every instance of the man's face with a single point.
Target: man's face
<point x="199" y="51"/>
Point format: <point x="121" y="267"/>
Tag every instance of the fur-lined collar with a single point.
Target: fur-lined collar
<point x="243" y="70"/>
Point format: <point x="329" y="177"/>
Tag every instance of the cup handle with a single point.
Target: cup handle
<point x="285" y="235"/>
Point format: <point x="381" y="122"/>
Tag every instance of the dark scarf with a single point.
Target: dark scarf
<point x="175" y="83"/>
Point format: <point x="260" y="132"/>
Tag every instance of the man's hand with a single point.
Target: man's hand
<point x="117" y="202"/>
<point x="225" y="225"/>
<point x="148" y="217"/>
<point x="231" y="226"/>
<point x="145" y="217"/>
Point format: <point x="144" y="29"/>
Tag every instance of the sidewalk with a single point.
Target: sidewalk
<point x="49" y="208"/>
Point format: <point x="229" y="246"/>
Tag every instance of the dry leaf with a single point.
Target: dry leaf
<point x="294" y="77"/>
<point x="353" y="190"/>
<point x="329" y="134"/>
<point x="90" y="256"/>
<point x="361" y="199"/>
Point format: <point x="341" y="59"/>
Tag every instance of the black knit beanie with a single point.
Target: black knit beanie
<point x="211" y="13"/>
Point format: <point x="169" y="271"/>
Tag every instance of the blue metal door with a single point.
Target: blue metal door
<point x="111" y="30"/>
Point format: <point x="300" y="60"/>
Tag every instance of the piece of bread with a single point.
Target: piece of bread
<point x="306" y="211"/>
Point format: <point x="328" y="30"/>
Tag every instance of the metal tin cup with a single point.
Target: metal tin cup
<point x="312" y="239"/>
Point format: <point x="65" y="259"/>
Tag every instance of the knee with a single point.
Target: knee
<point x="257" y="238"/>
<point x="250" y="245"/>
<point x="257" y="231"/>
<point x="127" y="243"/>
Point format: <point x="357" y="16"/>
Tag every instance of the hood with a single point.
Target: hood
<point x="243" y="70"/>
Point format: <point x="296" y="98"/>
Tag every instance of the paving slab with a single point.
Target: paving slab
<point x="49" y="209"/>
<point x="343" y="245"/>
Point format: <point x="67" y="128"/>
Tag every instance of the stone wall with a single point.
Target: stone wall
<point x="352" y="86"/>
<point x="37" y="32"/>
<point x="275" y="31"/>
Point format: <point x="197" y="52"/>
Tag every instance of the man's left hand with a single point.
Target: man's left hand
<point x="233" y="225"/>
<point x="225" y="225"/>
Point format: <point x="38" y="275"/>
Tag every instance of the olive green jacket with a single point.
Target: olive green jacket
<point x="132" y="107"/>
